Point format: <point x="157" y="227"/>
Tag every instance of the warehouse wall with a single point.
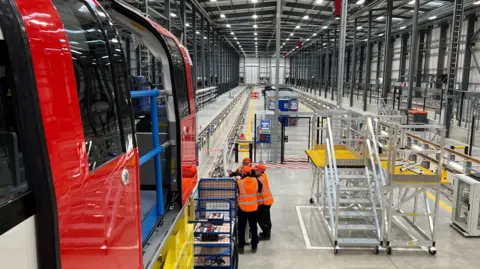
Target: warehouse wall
<point x="256" y="70"/>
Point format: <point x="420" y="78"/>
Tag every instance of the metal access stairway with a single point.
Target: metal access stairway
<point x="351" y="202"/>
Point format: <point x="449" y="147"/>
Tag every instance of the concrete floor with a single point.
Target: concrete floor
<point x="288" y="247"/>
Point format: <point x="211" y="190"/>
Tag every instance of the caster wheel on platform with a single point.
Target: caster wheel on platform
<point x="389" y="250"/>
<point x="376" y="249"/>
<point x="311" y="201"/>
<point x="432" y="250"/>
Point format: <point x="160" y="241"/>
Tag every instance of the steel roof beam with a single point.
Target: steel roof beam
<point x="240" y="6"/>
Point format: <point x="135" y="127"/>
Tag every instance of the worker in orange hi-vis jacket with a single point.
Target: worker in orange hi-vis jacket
<point x="265" y="201"/>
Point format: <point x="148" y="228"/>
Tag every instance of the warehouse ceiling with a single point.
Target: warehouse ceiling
<point x="249" y="25"/>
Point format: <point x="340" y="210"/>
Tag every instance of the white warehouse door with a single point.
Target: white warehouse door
<point x="252" y="74"/>
<point x="281" y="72"/>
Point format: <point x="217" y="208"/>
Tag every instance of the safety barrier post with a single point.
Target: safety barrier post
<point x="236" y="152"/>
<point x="157" y="148"/>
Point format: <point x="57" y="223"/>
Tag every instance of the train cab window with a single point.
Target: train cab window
<point x="179" y="81"/>
<point x="13" y="183"/>
<point x="95" y="84"/>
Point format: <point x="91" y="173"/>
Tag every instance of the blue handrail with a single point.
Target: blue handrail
<point x="152" y="218"/>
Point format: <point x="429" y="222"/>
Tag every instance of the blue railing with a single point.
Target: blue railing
<point x="152" y="218"/>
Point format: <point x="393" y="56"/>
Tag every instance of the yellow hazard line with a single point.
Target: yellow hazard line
<point x="250" y="119"/>
<point x="442" y="203"/>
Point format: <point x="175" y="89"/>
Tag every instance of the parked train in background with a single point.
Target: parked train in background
<point x="72" y="194"/>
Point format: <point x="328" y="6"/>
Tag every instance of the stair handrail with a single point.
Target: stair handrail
<point x="331" y="171"/>
<point x="374" y="170"/>
<point x="329" y="200"/>
<point x="375" y="151"/>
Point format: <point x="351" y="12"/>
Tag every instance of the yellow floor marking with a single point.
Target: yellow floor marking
<point x="442" y="204"/>
<point x="249" y="128"/>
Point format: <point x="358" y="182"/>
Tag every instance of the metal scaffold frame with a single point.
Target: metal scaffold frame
<point x="408" y="181"/>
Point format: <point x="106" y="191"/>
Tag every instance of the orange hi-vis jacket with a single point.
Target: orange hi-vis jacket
<point x="265" y="197"/>
<point x="248" y="191"/>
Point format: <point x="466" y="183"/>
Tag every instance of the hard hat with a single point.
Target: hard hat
<point x="260" y="167"/>
<point x="247" y="161"/>
<point x="246" y="169"/>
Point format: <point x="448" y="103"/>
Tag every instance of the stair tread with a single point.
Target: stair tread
<point x="357" y="241"/>
<point x="357" y="227"/>
<point x="352" y="176"/>
<point x="355" y="201"/>
<point x="356" y="214"/>
<point x="349" y="188"/>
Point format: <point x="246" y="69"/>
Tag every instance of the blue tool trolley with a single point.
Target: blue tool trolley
<point x="215" y="224"/>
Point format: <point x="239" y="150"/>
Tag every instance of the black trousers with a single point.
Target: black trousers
<point x="243" y="217"/>
<point x="264" y="220"/>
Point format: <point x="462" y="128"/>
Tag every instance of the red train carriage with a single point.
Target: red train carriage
<point x="71" y="194"/>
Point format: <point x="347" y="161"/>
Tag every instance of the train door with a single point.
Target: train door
<point x="69" y="93"/>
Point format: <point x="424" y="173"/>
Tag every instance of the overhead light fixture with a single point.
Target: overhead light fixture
<point x="318" y="2"/>
<point x="325" y="27"/>
<point x="476" y="3"/>
<point x="204" y="37"/>
<point x="187" y="25"/>
<point x="305" y="17"/>
<point x="283" y="44"/>
<point x="222" y="16"/>
<point x="197" y="32"/>
<point x="288" y="39"/>
<point x="360" y="2"/>
<point x="296" y="47"/>
<point x="255" y="33"/>
<point x="380" y="18"/>
<point x="291" y="34"/>
<point x="297" y="27"/>
<point x="254" y="16"/>
<point x="228" y="25"/>
<point x="314" y="34"/>
<point x="411" y="2"/>
<point x="254" y="26"/>
<point x="213" y="0"/>
<point x="235" y="38"/>
<point x="254" y="1"/>
<point x="337" y="18"/>
<point x="403" y="27"/>
<point x="366" y="39"/>
<point x="359" y="27"/>
<point x="432" y="17"/>
<point x="255" y="43"/>
<point x="324" y="44"/>
<point x="380" y="34"/>
<point x="232" y="33"/>
<point x="238" y="43"/>
<point x="308" y="39"/>
<point x="256" y="38"/>
<point x="173" y="15"/>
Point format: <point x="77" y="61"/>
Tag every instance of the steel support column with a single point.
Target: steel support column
<point x="467" y="62"/>
<point x="413" y="54"/>
<point x="322" y="71"/>
<point x="388" y="53"/>
<point x="194" y="49"/>
<point x="328" y="65"/>
<point x="214" y="58"/>
<point x="341" y="49"/>
<point x="167" y="15"/>
<point x="208" y="62"/>
<point x="354" y="62"/>
<point x="334" y="64"/>
<point x="377" y="74"/>
<point x="442" y="51"/>
<point x="202" y="51"/>
<point x="183" y="18"/>
<point x="368" y="66"/>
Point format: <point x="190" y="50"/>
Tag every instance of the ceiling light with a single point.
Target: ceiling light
<point x="337" y="18"/>
<point x="297" y="27"/>
<point x="235" y="38"/>
<point x="232" y="33"/>
<point x="366" y="39"/>
<point x="197" y="32"/>
<point x="325" y="27"/>
<point x="173" y="15"/>
<point x="222" y="16"/>
<point x="255" y="33"/>
<point x="238" y="43"/>
<point x="403" y="27"/>
<point x="254" y="16"/>
<point x="213" y="0"/>
<point x="228" y="25"/>
<point x="291" y="34"/>
<point x="296" y="47"/>
<point x="360" y="2"/>
<point x="256" y="38"/>
<point x="305" y="17"/>
<point x="283" y="44"/>
<point x="255" y="43"/>
<point x="254" y="26"/>
<point x="476" y="3"/>
<point x="187" y="25"/>
<point x="314" y="34"/>
<point x="318" y="2"/>
<point x="380" y="34"/>
<point x="432" y="17"/>
<point x="359" y="27"/>
<point x="308" y="39"/>
<point x="254" y="1"/>
<point x="204" y="37"/>
<point x="411" y="2"/>
<point x="380" y="18"/>
<point x="324" y="44"/>
<point x="288" y="39"/>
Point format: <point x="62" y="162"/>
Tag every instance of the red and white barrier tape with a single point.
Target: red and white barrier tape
<point x="210" y="150"/>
